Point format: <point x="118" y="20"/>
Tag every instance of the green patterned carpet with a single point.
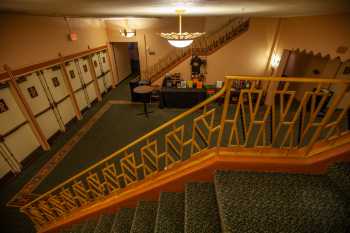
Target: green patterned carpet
<point x="243" y="202"/>
<point x="235" y="202"/>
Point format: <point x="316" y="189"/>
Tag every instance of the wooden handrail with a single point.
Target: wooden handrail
<point x="56" y="61"/>
<point x="246" y="108"/>
<point x="287" y="79"/>
<point x="142" y="138"/>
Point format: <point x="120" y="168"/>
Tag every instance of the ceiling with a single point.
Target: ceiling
<point x="151" y="8"/>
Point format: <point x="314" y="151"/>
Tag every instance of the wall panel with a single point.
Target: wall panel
<point x="59" y="93"/>
<point x="98" y="70"/>
<point x="22" y="142"/>
<point x="103" y="58"/>
<point x="37" y="99"/>
<point x="16" y="131"/>
<point x="47" y="95"/>
<point x="83" y="64"/>
<point x="12" y="115"/>
<point x="77" y="84"/>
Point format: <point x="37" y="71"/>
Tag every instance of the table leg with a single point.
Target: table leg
<point x="145" y="110"/>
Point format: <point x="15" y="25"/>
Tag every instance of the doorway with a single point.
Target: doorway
<point x="127" y="59"/>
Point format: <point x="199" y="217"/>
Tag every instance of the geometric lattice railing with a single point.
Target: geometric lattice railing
<point x="287" y="114"/>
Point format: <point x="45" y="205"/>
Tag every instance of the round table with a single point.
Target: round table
<point x="145" y="93"/>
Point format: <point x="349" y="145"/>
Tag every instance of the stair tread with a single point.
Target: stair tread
<point x="145" y="217"/>
<point x="123" y="220"/>
<point x="170" y="215"/>
<point x="89" y="226"/>
<point x="263" y="202"/>
<point x="340" y="174"/>
<point x="76" y="228"/>
<point x="104" y="223"/>
<point x="202" y="214"/>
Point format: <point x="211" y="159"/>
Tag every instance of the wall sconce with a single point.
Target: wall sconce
<point x="275" y="60"/>
<point x="128" y="33"/>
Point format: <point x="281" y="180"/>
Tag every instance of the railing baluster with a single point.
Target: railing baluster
<point x="101" y="179"/>
<point x="224" y="110"/>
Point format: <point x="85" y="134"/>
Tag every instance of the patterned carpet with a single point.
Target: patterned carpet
<point x="34" y="181"/>
<point x="242" y="202"/>
<point x="236" y="202"/>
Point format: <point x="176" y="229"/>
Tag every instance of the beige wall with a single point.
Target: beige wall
<point x="26" y="40"/>
<point x="319" y="38"/>
<point x="320" y="34"/>
<point x="121" y="56"/>
<point x="148" y="35"/>
<point x="245" y="55"/>
<point x="249" y="54"/>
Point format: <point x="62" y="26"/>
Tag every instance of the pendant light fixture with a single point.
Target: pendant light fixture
<point x="181" y="39"/>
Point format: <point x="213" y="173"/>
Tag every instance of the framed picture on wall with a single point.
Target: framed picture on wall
<point x="71" y="74"/>
<point x="32" y="92"/>
<point x="55" y="82"/>
<point x="3" y="106"/>
<point x="85" y="68"/>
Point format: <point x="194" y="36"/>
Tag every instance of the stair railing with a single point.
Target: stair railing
<point x="201" y="46"/>
<point x="241" y="114"/>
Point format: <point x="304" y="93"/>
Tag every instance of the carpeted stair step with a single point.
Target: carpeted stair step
<point x="340" y="174"/>
<point x="145" y="217"/>
<point x="90" y="225"/>
<point x="76" y="228"/>
<point x="201" y="210"/>
<point x="123" y="220"/>
<point x="170" y="214"/>
<point x="105" y="223"/>
<point x="263" y="202"/>
<point x="65" y="230"/>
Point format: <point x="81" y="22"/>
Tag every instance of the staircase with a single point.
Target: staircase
<point x="239" y="202"/>
<point x="202" y="46"/>
<point x="225" y="132"/>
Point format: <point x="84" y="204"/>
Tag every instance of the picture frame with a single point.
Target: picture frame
<point x="3" y="106"/>
<point x="55" y="82"/>
<point x="72" y="74"/>
<point x="32" y="92"/>
<point x="85" y="68"/>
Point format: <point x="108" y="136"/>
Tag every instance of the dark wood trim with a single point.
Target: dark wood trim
<point x="61" y="100"/>
<point x="79" y="89"/>
<point x="91" y="82"/>
<point x="43" y="111"/>
<point x="14" y="129"/>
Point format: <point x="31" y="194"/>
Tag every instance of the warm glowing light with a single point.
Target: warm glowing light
<point x="128" y="33"/>
<point x="275" y="60"/>
<point x="180" y="39"/>
<point x="180" y="43"/>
